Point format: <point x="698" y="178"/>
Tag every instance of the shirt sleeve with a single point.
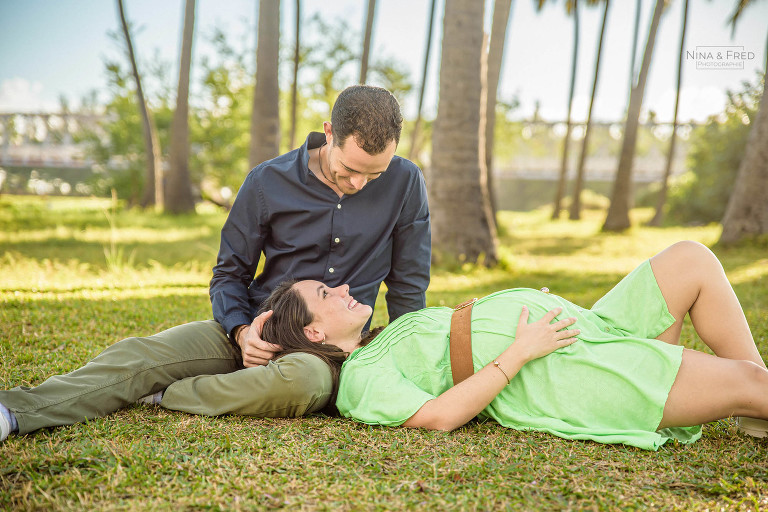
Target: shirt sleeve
<point x="408" y="278"/>
<point x="378" y="396"/>
<point x="242" y="240"/>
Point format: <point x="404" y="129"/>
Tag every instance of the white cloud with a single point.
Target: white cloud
<point x="20" y="95"/>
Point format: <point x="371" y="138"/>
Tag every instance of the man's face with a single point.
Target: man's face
<point x="350" y="168"/>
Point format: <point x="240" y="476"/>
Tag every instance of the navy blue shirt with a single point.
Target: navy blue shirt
<point x="305" y="231"/>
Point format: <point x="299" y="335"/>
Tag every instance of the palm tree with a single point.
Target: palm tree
<point x="413" y="151"/>
<point x="747" y="211"/>
<point x="265" y="116"/>
<point x="571" y="6"/>
<point x="618" y="212"/>
<point x="740" y="6"/>
<point x="575" y="210"/>
<point x="367" y="40"/>
<point x="499" y="25"/>
<point x="295" y="83"/>
<point x="153" y="184"/>
<point x="658" y="217"/>
<point x="458" y="171"/>
<point x="178" y="193"/>
<point x="635" y="34"/>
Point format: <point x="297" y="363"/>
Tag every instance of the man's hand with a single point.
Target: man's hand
<point x="256" y="351"/>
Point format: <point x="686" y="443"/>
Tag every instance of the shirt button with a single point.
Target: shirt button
<point x="330" y="270"/>
<point x="338" y="206"/>
<point x="337" y="240"/>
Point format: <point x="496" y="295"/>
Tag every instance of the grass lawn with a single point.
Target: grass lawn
<point x="76" y="276"/>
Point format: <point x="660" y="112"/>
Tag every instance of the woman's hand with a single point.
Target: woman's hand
<point x="542" y="337"/>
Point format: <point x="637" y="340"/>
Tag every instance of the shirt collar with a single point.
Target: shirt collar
<point x="314" y="141"/>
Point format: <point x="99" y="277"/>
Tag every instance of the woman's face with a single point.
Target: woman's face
<point x="337" y="315"/>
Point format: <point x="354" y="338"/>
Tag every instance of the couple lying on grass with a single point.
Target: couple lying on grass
<point x="525" y="358"/>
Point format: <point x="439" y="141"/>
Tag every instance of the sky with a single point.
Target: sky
<point x="55" y="48"/>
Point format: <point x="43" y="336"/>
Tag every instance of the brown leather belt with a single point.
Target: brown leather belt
<point x="461" y="342"/>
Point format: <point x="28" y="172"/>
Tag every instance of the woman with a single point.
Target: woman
<point x="613" y="374"/>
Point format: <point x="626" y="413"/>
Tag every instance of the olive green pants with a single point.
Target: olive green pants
<point x="197" y="366"/>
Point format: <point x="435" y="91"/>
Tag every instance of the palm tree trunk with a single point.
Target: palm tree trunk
<point x="747" y="211"/>
<point x="295" y="83"/>
<point x="466" y="232"/>
<point x="153" y="184"/>
<point x="560" y="190"/>
<point x="765" y="68"/>
<point x="499" y="25"/>
<point x="636" y="33"/>
<point x="415" y="144"/>
<point x="618" y="212"/>
<point x="367" y="41"/>
<point x="178" y="193"/>
<point x="575" y="211"/>
<point x="658" y="217"/>
<point x="265" y="116"/>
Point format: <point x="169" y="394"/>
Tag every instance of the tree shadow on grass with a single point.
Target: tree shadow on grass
<point x="555" y="246"/>
<point x="196" y="251"/>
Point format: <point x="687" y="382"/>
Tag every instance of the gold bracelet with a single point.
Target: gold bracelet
<point x="498" y="365"/>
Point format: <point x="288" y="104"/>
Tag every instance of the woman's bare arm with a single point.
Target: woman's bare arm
<point x="462" y="402"/>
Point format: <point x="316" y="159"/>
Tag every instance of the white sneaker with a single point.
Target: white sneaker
<point x="752" y="426"/>
<point x="5" y="428"/>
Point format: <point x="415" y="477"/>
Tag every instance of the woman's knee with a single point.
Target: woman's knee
<point x="684" y="264"/>
<point x="694" y="254"/>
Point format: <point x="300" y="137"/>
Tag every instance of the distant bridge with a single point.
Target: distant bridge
<point x="646" y="169"/>
<point x="42" y="141"/>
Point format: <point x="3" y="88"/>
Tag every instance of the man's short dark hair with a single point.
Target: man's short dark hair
<point x="370" y="114"/>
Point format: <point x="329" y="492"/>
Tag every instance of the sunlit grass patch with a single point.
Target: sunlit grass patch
<point x="25" y="273"/>
<point x="105" y="235"/>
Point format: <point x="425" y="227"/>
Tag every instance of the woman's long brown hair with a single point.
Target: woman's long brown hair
<point x="285" y="327"/>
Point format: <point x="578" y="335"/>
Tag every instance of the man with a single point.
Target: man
<point x="340" y="209"/>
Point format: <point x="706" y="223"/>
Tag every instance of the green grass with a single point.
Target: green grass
<point x="61" y="302"/>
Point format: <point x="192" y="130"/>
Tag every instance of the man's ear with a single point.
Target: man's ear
<point x="328" y="133"/>
<point x="313" y="334"/>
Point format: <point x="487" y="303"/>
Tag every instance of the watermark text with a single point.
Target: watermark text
<point x="719" y="57"/>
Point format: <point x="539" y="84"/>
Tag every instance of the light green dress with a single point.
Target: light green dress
<point x="610" y="386"/>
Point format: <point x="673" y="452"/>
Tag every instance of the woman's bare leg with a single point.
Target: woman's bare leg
<point x="692" y="281"/>
<point x="708" y="388"/>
